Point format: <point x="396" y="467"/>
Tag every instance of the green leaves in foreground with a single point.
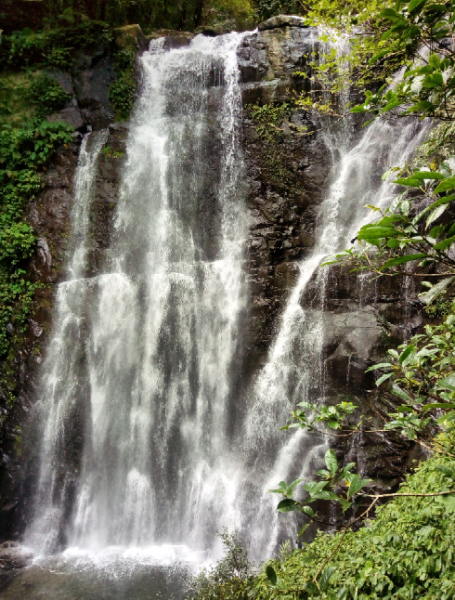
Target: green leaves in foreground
<point x="411" y="234"/>
<point x="405" y="553"/>
<point x="338" y="484"/>
<point x="426" y="89"/>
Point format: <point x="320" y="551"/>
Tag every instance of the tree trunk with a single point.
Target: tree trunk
<point x="198" y="11"/>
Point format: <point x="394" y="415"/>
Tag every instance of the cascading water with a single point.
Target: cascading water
<point x="141" y="375"/>
<point x="295" y="369"/>
<point x="146" y="350"/>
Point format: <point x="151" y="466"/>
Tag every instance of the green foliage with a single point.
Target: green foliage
<point x="47" y="94"/>
<point x="124" y="59"/>
<point x="428" y="82"/>
<point x="122" y="94"/>
<point x="406" y="553"/>
<point x="270" y="8"/>
<point x="15" y="107"/>
<point x="267" y="118"/>
<point x="231" y="14"/>
<point x="269" y="122"/>
<point x="23" y="152"/>
<point x="410" y="231"/>
<point x="421" y="376"/>
<point x="109" y="152"/>
<point x="438" y="308"/>
<point x="54" y="48"/>
<point x="229" y="578"/>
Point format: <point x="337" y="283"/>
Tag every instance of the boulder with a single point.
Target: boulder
<point x="70" y="115"/>
<point x="209" y="30"/>
<point x="123" y="35"/>
<point x="282" y="21"/>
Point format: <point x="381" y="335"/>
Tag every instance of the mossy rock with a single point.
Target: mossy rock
<point x="125" y="35"/>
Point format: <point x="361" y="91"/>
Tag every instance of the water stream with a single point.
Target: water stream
<point x="141" y="374"/>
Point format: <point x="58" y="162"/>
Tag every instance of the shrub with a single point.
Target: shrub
<point x="47" y="94"/>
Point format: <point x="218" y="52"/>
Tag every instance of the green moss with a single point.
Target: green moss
<point x="439" y="308"/>
<point x="15" y="107"/>
<point x="267" y="118"/>
<point x="123" y="91"/>
<point x="24" y="151"/>
<point x="109" y="152"/>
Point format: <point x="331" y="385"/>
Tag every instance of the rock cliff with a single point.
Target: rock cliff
<point x="288" y="161"/>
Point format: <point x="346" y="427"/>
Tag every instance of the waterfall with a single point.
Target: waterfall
<point x="295" y="368"/>
<point x="148" y="437"/>
<point x="144" y="353"/>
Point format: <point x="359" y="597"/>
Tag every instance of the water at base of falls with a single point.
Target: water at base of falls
<point x="161" y="573"/>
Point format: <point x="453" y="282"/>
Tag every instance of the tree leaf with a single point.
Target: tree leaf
<point x="303" y="529"/>
<point x="383" y="378"/>
<point x="400" y="393"/>
<point x="447" y="382"/>
<point x="407" y="352"/>
<point x="378" y="366"/>
<point x="389" y="13"/>
<point x="414" y="5"/>
<point x="377" y="57"/>
<point x="331" y="461"/>
<point x="428" y="297"/>
<point x="356" y="485"/>
<point x="292" y="485"/>
<point x="445" y="243"/>
<point x="368" y="232"/>
<point x="408" y="181"/>
<point x="447" y="184"/>
<point x="271" y="574"/>
<point x="423" y="175"/>
<point x="401" y="260"/>
<point x="436" y="214"/>
<point x="326" y="576"/>
<point x="313" y="487"/>
<point x="308" y="511"/>
<point x="433" y="405"/>
<point x="287" y="505"/>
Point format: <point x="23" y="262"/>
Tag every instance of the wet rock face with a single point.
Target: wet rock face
<point x="282" y="21"/>
<point x="89" y="107"/>
<point x="288" y="164"/>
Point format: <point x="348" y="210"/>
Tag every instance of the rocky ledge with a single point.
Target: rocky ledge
<point x="13" y="558"/>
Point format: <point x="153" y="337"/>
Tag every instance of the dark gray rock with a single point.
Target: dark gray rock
<point x="72" y="116"/>
<point x="63" y="79"/>
<point x="13" y="559"/>
<point x="92" y="93"/>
